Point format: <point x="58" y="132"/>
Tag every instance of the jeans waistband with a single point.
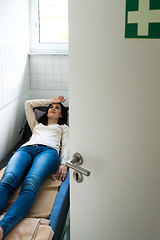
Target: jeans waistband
<point x="39" y="145"/>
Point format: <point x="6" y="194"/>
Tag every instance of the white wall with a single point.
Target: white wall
<point x="49" y="76"/>
<point x="14" y="70"/>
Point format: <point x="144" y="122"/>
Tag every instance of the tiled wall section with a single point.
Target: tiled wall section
<point x="14" y="73"/>
<point x="48" y="72"/>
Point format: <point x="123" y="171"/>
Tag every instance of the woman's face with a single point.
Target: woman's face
<point x="54" y="111"/>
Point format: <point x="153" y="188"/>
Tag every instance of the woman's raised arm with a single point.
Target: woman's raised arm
<point x="30" y="105"/>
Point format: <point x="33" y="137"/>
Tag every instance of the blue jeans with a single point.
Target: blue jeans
<point x="32" y="165"/>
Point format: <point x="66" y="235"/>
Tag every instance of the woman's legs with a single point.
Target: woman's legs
<point x="15" y="171"/>
<point x="45" y="162"/>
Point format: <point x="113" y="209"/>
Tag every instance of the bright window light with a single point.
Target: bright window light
<point x="53" y="21"/>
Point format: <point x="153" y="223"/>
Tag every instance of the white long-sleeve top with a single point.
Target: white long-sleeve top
<point x="53" y="135"/>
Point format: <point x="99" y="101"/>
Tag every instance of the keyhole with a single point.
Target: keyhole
<point x="77" y="176"/>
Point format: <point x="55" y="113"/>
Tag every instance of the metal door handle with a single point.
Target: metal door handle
<point x="75" y="162"/>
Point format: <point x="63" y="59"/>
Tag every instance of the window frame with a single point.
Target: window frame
<point x="35" y="45"/>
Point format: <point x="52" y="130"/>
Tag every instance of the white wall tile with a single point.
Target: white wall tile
<point x="64" y="85"/>
<point x="49" y="61"/>
<point x="49" y="73"/>
<point x="41" y="85"/>
<point x="64" y="69"/>
<point x="49" y="85"/>
<point x="14" y="72"/>
<point x="41" y="77"/>
<point x="41" y="60"/>
<point x="57" y="77"/>
<point x="41" y="69"/>
<point x="57" y="61"/>
<point x="49" y="69"/>
<point x="33" y="77"/>
<point x="33" y="60"/>
<point x="33" y="69"/>
<point x="65" y="61"/>
<point x="50" y="94"/>
<point x="57" y="85"/>
<point x="50" y="77"/>
<point x="34" y="85"/>
<point x="65" y="77"/>
<point x="57" y="69"/>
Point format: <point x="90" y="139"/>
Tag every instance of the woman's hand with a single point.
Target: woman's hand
<point x="61" y="172"/>
<point x="59" y="99"/>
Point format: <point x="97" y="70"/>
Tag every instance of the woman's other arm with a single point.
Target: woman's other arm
<point x="64" y="154"/>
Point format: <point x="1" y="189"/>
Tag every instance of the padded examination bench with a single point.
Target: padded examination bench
<point x="61" y="204"/>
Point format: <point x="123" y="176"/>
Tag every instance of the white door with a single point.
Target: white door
<point x="114" y="125"/>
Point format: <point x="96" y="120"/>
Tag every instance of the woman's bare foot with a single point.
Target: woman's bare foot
<point x="1" y="233"/>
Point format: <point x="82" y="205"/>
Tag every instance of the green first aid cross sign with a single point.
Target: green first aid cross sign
<point x="142" y="19"/>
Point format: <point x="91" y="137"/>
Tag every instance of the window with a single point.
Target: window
<point x="49" y="26"/>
